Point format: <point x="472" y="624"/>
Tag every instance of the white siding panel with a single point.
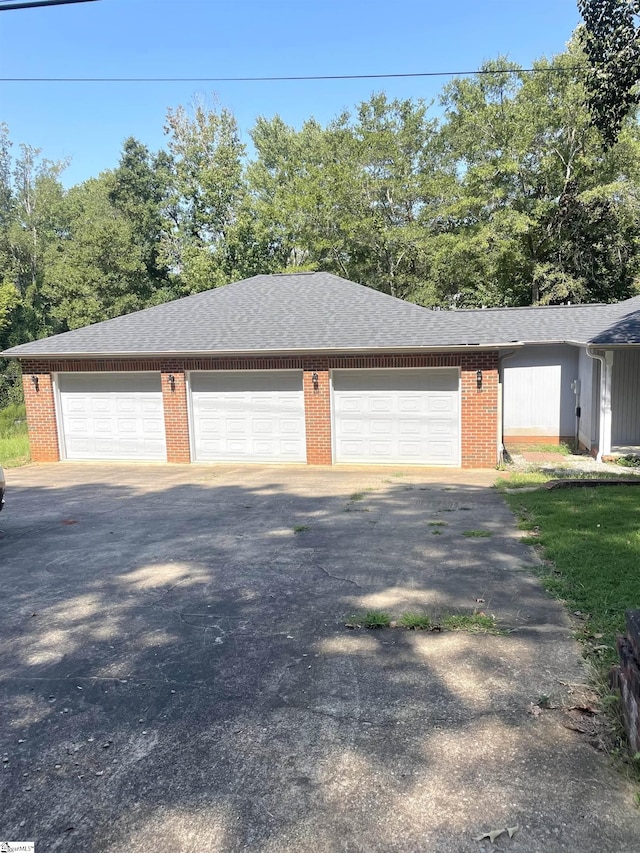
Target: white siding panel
<point x="397" y="416"/>
<point x="625" y="398"/>
<point x="588" y="420"/>
<point x="538" y="399"/>
<point x="112" y="416"/>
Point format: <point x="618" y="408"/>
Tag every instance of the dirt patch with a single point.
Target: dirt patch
<point x="541" y="456"/>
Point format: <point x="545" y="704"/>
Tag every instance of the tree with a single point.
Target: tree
<point x="610" y="38"/>
<point x="595" y="254"/>
<point x="30" y="219"/>
<point x="519" y="142"/>
<point x="206" y="191"/>
<point x="349" y="197"/>
<point x="96" y="269"/>
<point x="138" y="189"/>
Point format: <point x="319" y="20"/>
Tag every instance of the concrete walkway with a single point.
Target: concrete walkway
<point x="176" y="674"/>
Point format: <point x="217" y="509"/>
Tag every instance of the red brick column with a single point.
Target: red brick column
<point x="176" y="419"/>
<point x="479" y="410"/>
<point x="317" y="411"/>
<point x="41" y="416"/>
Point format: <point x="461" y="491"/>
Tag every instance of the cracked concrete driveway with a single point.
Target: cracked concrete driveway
<point x="176" y="673"/>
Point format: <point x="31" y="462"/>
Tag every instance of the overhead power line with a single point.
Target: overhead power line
<point x="290" y="78"/>
<point x="8" y="5"/>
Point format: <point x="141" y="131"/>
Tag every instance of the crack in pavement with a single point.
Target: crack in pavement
<point x="335" y="577"/>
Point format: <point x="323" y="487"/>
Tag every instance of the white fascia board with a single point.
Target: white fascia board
<point x="266" y="353"/>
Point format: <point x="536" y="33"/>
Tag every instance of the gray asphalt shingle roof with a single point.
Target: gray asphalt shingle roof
<point x="319" y="311"/>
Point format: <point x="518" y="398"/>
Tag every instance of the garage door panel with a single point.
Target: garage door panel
<point x="149" y="406"/>
<point x="153" y="427"/>
<point x="259" y="416"/>
<point x="421" y="425"/>
<point x="438" y="428"/>
<point x="409" y="427"/>
<point x="210" y="427"/>
<point x="292" y="427"/>
<point x="351" y="404"/>
<point x="262" y="427"/>
<point x="441" y="449"/>
<point x="239" y="446"/>
<point x="411" y="450"/>
<point x="289" y="448"/>
<point x="439" y="404"/>
<point x="122" y="416"/>
<point x="381" y="449"/>
<point x="379" y="427"/>
<point x="378" y="404"/>
<point x="77" y="425"/>
<point x="235" y="426"/>
<point x="78" y="406"/>
<point x="101" y="426"/>
<point x="126" y="426"/>
<point x="100" y="405"/>
<point x="125" y="405"/>
<point x="410" y="404"/>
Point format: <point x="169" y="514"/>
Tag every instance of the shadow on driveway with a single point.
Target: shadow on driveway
<point x="176" y="673"/>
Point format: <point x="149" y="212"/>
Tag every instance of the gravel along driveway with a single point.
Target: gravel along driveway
<point x="176" y="672"/>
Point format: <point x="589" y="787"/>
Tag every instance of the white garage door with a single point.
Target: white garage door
<point x="112" y="415"/>
<point x="389" y="416"/>
<point x="248" y="416"/>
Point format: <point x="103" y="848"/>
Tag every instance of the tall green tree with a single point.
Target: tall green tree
<point x="519" y="142"/>
<point x="31" y="201"/>
<point x="139" y="189"/>
<point x="206" y="191"/>
<point x="350" y="197"/>
<point x="96" y="269"/>
<point x="610" y="38"/>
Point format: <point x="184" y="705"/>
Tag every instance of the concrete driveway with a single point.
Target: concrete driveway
<point x="176" y="673"/>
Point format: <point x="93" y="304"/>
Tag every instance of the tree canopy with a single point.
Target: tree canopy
<point x="610" y="38"/>
<point x="516" y="188"/>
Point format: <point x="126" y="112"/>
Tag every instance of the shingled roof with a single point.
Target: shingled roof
<point x="320" y="312"/>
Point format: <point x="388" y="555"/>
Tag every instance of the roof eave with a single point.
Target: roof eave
<point x="262" y="353"/>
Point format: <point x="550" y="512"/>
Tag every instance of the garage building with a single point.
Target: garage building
<point x="300" y="368"/>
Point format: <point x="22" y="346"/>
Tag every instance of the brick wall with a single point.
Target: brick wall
<point x="41" y="414"/>
<point x="479" y="406"/>
<point x="317" y="411"/>
<point x="176" y="420"/>
<point x="479" y="410"/>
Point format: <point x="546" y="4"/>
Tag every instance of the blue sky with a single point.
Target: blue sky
<point x="193" y="38"/>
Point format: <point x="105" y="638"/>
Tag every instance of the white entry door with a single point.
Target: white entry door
<point x="390" y="416"/>
<point x="112" y="416"/>
<point x="248" y="416"/>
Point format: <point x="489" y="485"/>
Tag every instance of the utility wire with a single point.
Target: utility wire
<point x="284" y="79"/>
<point x="10" y="5"/>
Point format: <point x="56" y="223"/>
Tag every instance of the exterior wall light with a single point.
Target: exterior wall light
<point x="171" y="379"/>
<point x="314" y="379"/>
<point x="479" y="380"/>
<point x="35" y="382"/>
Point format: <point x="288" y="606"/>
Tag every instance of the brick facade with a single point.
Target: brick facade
<point x="317" y="411"/>
<point x="479" y="405"/>
<point x="41" y="414"/>
<point x="176" y="419"/>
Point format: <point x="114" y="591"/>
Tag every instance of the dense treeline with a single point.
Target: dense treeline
<point x="508" y="197"/>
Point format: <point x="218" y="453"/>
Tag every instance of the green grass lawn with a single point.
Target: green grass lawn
<point x="14" y="442"/>
<point x="590" y="539"/>
<point x="537" y="477"/>
<point x="561" y="449"/>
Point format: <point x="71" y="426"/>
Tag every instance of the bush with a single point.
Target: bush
<point x="629" y="461"/>
<point x="10" y="383"/>
<point x="13" y="420"/>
